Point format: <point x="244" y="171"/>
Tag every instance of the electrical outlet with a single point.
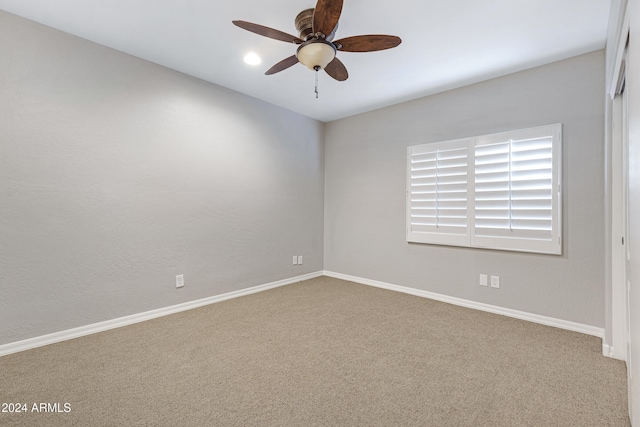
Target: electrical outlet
<point x="180" y="281"/>
<point x="495" y="281"/>
<point x="299" y="259"/>
<point x="483" y="280"/>
<point x="295" y="260"/>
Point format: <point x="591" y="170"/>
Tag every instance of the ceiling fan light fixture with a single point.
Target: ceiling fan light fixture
<point x="317" y="50"/>
<point x="316" y="54"/>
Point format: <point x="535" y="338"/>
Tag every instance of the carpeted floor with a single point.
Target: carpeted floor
<point x="324" y="352"/>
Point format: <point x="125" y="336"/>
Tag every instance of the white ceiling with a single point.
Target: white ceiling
<point x="445" y="43"/>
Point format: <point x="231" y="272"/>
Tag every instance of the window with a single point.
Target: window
<point x="499" y="191"/>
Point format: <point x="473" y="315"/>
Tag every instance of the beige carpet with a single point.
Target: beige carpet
<point x="324" y="352"/>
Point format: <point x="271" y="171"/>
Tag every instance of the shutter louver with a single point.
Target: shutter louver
<point x="532" y="186"/>
<point x="492" y="187"/>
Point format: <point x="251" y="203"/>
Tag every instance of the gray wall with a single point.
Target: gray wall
<point x="365" y="161"/>
<point x="117" y="174"/>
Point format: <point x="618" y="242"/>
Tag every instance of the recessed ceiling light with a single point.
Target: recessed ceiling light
<point x="252" y="59"/>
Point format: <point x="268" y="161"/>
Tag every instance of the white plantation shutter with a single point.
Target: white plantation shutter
<point x="437" y="193"/>
<point x="516" y="190"/>
<point x="499" y="191"/>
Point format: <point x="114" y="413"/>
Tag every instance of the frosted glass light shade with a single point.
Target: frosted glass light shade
<point x="316" y="54"/>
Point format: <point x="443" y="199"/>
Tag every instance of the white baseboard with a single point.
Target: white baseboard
<point x="148" y="315"/>
<point x="56" y="337"/>
<point x="535" y="318"/>
<point x="607" y="350"/>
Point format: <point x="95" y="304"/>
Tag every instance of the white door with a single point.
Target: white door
<point x="625" y="233"/>
<point x="620" y="244"/>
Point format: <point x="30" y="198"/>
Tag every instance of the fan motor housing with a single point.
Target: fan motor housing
<point x="304" y="25"/>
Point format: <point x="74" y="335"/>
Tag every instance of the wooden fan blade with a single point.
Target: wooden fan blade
<point x="337" y="70"/>
<point x="368" y="43"/>
<point x="267" y="32"/>
<point x="326" y="16"/>
<point x="282" y="65"/>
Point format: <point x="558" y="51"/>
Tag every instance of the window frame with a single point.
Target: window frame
<point x="520" y="240"/>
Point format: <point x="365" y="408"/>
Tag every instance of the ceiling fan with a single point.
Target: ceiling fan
<point x="317" y="50"/>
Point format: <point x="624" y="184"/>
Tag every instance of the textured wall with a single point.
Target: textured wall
<point x="117" y="174"/>
<point x="365" y="166"/>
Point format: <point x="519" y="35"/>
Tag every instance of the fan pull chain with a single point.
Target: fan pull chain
<point x="317" y="69"/>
